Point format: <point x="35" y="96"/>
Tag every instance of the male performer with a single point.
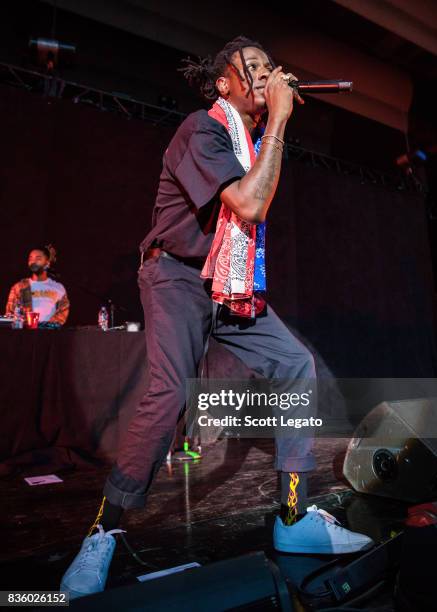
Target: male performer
<point x="40" y="293"/>
<point x="203" y="273"/>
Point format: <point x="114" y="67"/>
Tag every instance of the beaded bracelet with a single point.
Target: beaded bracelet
<point x="273" y="136"/>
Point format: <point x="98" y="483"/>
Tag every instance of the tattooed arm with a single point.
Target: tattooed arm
<point x="251" y="196"/>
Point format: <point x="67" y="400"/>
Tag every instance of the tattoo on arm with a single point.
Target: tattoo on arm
<point x="266" y="181"/>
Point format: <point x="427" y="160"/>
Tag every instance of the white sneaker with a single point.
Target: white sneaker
<point x="318" y="532"/>
<point x="88" y="572"/>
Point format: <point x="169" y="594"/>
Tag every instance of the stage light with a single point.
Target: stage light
<point x="407" y="161"/>
<point x="49" y="52"/>
<point x="168" y="102"/>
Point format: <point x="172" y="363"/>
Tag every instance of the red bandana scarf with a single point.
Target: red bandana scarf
<point x="231" y="260"/>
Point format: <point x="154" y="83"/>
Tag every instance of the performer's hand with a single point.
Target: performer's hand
<point x="279" y="95"/>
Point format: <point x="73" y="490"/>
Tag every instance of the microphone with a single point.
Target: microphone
<point x="321" y="87"/>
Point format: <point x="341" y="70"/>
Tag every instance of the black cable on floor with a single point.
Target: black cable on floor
<point x="133" y="553"/>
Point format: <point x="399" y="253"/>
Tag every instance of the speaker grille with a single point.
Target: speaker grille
<point x="385" y="465"/>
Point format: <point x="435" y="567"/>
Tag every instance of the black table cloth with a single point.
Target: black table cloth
<point x="68" y="389"/>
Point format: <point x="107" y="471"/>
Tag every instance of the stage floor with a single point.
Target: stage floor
<point x="218" y="507"/>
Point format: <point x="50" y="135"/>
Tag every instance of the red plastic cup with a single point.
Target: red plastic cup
<point x="32" y="319"/>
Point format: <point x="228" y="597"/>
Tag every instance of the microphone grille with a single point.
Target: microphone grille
<point x="345" y="85"/>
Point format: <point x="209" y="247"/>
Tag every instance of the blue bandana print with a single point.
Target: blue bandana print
<point x="259" y="277"/>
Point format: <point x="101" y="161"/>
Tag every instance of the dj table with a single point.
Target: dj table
<point x="69" y="389"/>
<point x="67" y="395"/>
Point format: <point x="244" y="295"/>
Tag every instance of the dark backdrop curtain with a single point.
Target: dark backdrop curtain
<point x="348" y="263"/>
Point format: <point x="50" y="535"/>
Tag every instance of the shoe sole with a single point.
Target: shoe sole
<point x="342" y="550"/>
<point x="72" y="594"/>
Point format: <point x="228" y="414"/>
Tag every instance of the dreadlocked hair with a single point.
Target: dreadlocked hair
<point x="205" y="72"/>
<point x="48" y="250"/>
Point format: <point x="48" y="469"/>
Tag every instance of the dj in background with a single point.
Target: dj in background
<point x="40" y="293"/>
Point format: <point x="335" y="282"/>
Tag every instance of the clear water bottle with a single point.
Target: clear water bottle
<point x="103" y="319"/>
<point x="18" y="320"/>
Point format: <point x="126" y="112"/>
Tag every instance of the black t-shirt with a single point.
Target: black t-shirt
<point x="198" y="164"/>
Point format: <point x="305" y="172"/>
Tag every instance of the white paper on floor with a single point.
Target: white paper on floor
<point x="42" y="480"/>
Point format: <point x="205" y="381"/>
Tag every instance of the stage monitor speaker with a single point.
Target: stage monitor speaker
<point x="252" y="583"/>
<point x="389" y="454"/>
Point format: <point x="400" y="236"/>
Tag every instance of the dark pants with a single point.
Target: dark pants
<point x="179" y="315"/>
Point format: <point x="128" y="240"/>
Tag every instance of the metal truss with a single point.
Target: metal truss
<point x="54" y="86"/>
<point x="397" y="180"/>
